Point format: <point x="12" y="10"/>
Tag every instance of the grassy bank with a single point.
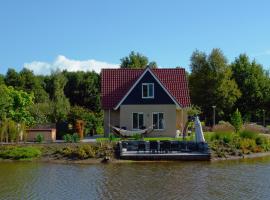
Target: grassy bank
<point x="57" y="151"/>
<point x="228" y="144"/>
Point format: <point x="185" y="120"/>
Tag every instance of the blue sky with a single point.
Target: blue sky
<point x="52" y="33"/>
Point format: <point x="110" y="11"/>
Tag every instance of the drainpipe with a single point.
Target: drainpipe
<point x="182" y="113"/>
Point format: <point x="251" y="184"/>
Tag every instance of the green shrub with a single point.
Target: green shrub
<point x="236" y="121"/>
<point x="68" y="138"/>
<point x="39" y="138"/>
<point x="17" y="153"/>
<point x="260" y="140"/>
<point x="137" y="136"/>
<point x="248" y="134"/>
<point x="112" y="137"/>
<point x="75" y="138"/>
<point x="247" y="145"/>
<point x="226" y="137"/>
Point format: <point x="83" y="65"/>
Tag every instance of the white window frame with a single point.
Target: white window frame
<point x="158" y="129"/>
<point x="138" y="120"/>
<point x="148" y="97"/>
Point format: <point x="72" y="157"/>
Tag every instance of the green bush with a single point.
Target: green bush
<point x="236" y="121"/>
<point x="75" y="138"/>
<point x="248" y="134"/>
<point x="67" y="138"/>
<point x="226" y="137"/>
<point x="18" y="153"/>
<point x="247" y="145"/>
<point x="137" y="136"/>
<point x="112" y="137"/>
<point x="39" y="138"/>
<point x="260" y="140"/>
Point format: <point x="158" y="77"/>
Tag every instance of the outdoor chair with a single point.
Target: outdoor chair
<point x="165" y="146"/>
<point x="141" y="147"/>
<point x="175" y="146"/>
<point x="153" y="146"/>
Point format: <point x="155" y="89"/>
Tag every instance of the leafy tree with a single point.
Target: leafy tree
<point x="93" y="121"/>
<point x="136" y="61"/>
<point x="236" y="121"/>
<point x="211" y="83"/>
<point x="83" y="89"/>
<point x="6" y="101"/>
<point x="60" y="103"/>
<point x="14" y="105"/>
<point x="2" y="79"/>
<point x="32" y="83"/>
<point x="42" y="112"/>
<point x="13" y="79"/>
<point x="254" y="84"/>
<point x="21" y="102"/>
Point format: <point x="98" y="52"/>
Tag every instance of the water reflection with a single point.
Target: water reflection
<point x="247" y="179"/>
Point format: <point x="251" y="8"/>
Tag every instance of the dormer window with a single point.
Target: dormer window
<point x="148" y="90"/>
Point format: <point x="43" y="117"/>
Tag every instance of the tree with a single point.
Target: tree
<point x="6" y="101"/>
<point x="21" y="102"/>
<point x="236" y="121"/>
<point x="93" y="121"/>
<point x="32" y="83"/>
<point x="211" y="83"/>
<point x="60" y="102"/>
<point x="83" y="89"/>
<point x="254" y="84"/>
<point x="13" y="79"/>
<point x="14" y="105"/>
<point x="136" y="61"/>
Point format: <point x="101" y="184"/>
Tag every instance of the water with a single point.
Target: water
<point x="248" y="179"/>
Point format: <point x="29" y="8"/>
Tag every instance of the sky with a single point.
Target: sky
<point x="90" y="35"/>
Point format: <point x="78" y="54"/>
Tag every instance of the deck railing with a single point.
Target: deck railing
<point x="163" y="146"/>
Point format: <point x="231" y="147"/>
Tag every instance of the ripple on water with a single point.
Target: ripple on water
<point x="247" y="179"/>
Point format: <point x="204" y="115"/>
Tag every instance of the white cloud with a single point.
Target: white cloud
<point x="64" y="63"/>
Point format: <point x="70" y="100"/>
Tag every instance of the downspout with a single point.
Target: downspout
<point x="182" y="116"/>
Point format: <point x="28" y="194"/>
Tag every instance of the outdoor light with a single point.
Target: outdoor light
<point x="214" y="115"/>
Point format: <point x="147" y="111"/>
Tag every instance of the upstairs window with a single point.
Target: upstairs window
<point x="148" y="90"/>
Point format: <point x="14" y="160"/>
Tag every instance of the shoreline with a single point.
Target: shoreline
<point x="119" y="161"/>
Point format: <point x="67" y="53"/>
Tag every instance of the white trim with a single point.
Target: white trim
<point x="137" y="120"/>
<point x="158" y="121"/>
<point x="153" y="87"/>
<point x="138" y="80"/>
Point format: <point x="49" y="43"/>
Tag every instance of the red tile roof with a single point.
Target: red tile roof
<point x="115" y="83"/>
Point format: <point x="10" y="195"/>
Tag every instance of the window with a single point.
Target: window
<point x="137" y="121"/>
<point x="148" y="90"/>
<point x="158" y="121"/>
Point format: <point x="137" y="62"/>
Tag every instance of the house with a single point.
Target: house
<point x="139" y="98"/>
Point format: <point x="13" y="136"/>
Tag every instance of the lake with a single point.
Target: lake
<point x="246" y="179"/>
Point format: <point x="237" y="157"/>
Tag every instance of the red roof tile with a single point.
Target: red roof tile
<point x="115" y="83"/>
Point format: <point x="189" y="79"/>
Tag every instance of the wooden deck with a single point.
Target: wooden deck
<point x="174" y="155"/>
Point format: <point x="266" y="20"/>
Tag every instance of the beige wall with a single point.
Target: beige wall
<point x="169" y="117"/>
<point x="181" y="119"/>
<point x="49" y="134"/>
<point x="111" y="117"/>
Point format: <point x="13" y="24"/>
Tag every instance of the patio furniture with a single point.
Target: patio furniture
<point x="165" y="146"/>
<point x="141" y="147"/>
<point x="175" y="146"/>
<point x="153" y="146"/>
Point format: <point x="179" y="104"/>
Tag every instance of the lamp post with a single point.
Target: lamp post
<point x="214" y="115"/>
